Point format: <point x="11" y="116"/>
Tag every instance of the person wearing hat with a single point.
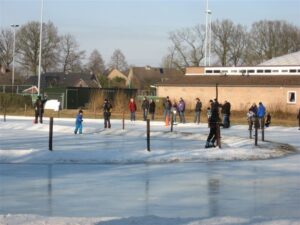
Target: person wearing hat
<point x="39" y="109"/>
<point x="78" y="123"/>
<point x="107" y="113"/>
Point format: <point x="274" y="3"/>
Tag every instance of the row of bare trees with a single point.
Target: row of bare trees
<point x="59" y="52"/>
<point x="232" y="44"/>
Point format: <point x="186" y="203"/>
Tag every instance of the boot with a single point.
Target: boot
<point x="207" y="145"/>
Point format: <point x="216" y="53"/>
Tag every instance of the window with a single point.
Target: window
<point x="275" y="71"/>
<point x="216" y="71"/>
<point x="233" y="71"/>
<point x="250" y="71"/>
<point x="293" y="71"/>
<point x="284" y="71"/>
<point x="260" y="71"/>
<point x="208" y="71"/>
<point x="291" y="97"/>
<point x="267" y="71"/>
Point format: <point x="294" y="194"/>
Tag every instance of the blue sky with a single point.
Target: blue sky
<point x="139" y="27"/>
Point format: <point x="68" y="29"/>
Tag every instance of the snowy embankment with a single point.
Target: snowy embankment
<point x="143" y="220"/>
<point x="25" y="142"/>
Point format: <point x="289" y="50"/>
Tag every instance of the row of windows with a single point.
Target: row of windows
<point x="252" y="71"/>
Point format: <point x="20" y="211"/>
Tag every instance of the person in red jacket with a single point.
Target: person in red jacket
<point x="132" y="108"/>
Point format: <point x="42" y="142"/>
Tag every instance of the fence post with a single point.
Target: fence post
<point x="250" y="132"/>
<point x="172" y="121"/>
<point x="148" y="135"/>
<point x="218" y="135"/>
<point x="4" y="113"/>
<point x="50" y="133"/>
<point x="95" y="110"/>
<point x="256" y="128"/>
<point x="123" y="120"/>
<point x="263" y="129"/>
<point x="25" y="110"/>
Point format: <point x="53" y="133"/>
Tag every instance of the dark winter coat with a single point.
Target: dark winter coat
<point x="167" y="105"/>
<point x="198" y="106"/>
<point x="214" y="118"/>
<point x="39" y="105"/>
<point x="145" y="105"/>
<point x="226" y="108"/>
<point x="107" y="109"/>
<point x="253" y="109"/>
<point x="152" y="107"/>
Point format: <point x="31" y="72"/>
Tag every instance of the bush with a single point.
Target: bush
<point x="14" y="101"/>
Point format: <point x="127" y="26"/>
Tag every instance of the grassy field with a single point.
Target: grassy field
<point x="278" y="119"/>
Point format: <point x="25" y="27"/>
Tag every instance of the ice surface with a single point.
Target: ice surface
<point x="107" y="176"/>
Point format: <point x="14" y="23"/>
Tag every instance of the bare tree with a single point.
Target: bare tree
<point x="222" y="34"/>
<point x="238" y="44"/>
<point x="71" y="56"/>
<point x="6" y="47"/>
<point x="27" y="42"/>
<point x="271" y="39"/>
<point x="187" y="48"/>
<point x="96" y="63"/>
<point x="118" y="61"/>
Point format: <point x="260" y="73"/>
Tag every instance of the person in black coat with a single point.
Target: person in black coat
<point x="298" y="116"/>
<point x="198" y="109"/>
<point x="152" y="108"/>
<point x="213" y="122"/>
<point x="39" y="109"/>
<point x="145" y="108"/>
<point x="107" y="113"/>
<point x="226" y="114"/>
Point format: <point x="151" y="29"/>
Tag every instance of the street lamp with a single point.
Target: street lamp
<point x="40" y="55"/>
<point x="207" y="44"/>
<point x="14" y="26"/>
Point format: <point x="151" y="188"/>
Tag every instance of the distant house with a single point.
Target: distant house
<point x="142" y="77"/>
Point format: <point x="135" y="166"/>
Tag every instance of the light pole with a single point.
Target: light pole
<point x="209" y="36"/>
<point x="205" y="41"/>
<point x="14" y="26"/>
<point x="40" y="55"/>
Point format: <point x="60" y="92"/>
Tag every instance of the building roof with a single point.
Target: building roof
<point x="292" y="59"/>
<point x="64" y="80"/>
<point x="142" y="76"/>
<point x="257" y="80"/>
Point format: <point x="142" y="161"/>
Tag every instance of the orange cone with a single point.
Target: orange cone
<point x="167" y="121"/>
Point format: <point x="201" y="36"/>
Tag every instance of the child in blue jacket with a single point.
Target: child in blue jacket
<point x="78" y="123"/>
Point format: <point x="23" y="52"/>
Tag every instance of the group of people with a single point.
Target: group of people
<point x="147" y="108"/>
<point x="256" y="116"/>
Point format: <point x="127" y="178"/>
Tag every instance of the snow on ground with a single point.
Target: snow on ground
<point x="25" y="142"/>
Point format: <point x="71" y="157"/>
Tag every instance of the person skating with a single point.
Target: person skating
<point x="167" y="108"/>
<point x="107" y="107"/>
<point x="213" y="120"/>
<point x="78" y="122"/>
<point x="39" y="109"/>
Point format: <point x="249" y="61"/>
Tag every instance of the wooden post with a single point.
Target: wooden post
<point x="123" y="120"/>
<point x="172" y="121"/>
<point x="25" y="109"/>
<point x="50" y="133"/>
<point x="250" y="133"/>
<point x="218" y="135"/>
<point x="148" y="135"/>
<point x="256" y="125"/>
<point x="95" y="110"/>
<point x="263" y="129"/>
<point x="4" y="113"/>
<point x="217" y="91"/>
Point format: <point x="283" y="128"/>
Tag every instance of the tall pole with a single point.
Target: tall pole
<point x="205" y="41"/>
<point x="209" y="38"/>
<point x="40" y="55"/>
<point x="14" y="50"/>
